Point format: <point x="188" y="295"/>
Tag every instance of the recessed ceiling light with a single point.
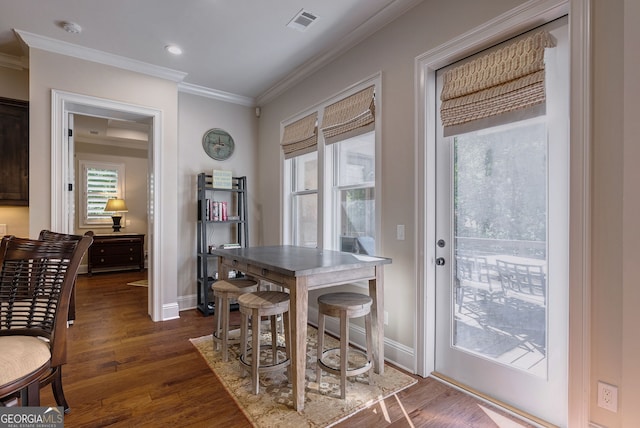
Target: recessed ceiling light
<point x="71" y="27"/>
<point x="173" y="49"/>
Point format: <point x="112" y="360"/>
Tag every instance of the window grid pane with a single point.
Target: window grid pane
<point x="304" y="199"/>
<point x="305" y="172"/>
<point x="102" y="185"/>
<point x="306" y="220"/>
<point x="354" y="194"/>
<point x="356" y="160"/>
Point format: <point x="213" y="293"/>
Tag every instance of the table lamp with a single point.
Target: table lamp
<point x="116" y="206"/>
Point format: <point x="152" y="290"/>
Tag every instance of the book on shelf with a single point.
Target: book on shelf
<point x="216" y="210"/>
<point x="230" y="245"/>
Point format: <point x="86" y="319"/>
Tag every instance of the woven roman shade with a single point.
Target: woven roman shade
<point x="300" y="137"/>
<point x="510" y="79"/>
<point x="349" y="117"/>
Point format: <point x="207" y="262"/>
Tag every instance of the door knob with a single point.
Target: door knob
<point x="440" y="261"/>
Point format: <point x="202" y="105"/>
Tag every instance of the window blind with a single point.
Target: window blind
<point x="301" y="136"/>
<point x="102" y="185"/>
<point x="350" y="116"/>
<point x="507" y="80"/>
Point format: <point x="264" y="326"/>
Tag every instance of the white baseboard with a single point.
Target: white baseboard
<point x="396" y="353"/>
<point x="187" y="302"/>
<point x="170" y="311"/>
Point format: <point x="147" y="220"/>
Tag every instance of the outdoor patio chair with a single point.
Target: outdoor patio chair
<point x="475" y="276"/>
<point x="526" y="283"/>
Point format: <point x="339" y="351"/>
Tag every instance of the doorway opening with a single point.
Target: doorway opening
<point x="64" y="106"/>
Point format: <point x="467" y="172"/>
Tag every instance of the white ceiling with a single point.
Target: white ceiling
<point x="239" y="47"/>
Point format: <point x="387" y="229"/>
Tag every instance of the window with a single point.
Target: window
<point x="99" y="182"/>
<point x="354" y="194"/>
<point x="304" y="197"/>
<point x="331" y="189"/>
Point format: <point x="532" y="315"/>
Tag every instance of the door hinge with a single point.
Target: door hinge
<point x="70" y="133"/>
<point x="70" y="187"/>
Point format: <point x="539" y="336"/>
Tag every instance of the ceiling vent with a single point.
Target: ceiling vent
<point x="302" y="20"/>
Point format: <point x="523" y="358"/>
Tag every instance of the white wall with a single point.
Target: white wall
<point x="53" y="71"/>
<point x="607" y="202"/>
<point x="391" y="51"/>
<point x="14" y="83"/>
<point x="630" y="382"/>
<point x="615" y="270"/>
<point x="197" y="115"/>
<point x="615" y="233"/>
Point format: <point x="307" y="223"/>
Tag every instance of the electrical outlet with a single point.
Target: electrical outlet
<point x="400" y="232"/>
<point x="608" y="396"/>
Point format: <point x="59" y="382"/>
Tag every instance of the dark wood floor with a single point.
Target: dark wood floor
<point x="126" y="371"/>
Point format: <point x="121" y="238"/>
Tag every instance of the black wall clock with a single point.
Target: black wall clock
<point x="218" y="144"/>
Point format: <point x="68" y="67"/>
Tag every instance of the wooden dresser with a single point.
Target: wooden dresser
<point x="116" y="251"/>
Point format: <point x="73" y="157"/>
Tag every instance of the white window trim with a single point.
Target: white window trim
<point x="325" y="170"/>
<point x="83" y="165"/>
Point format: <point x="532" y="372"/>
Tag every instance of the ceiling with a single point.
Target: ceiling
<point x="241" y="49"/>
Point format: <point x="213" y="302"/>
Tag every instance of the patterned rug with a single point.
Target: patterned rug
<point x="273" y="407"/>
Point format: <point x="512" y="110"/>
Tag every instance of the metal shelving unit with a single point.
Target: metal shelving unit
<point x="237" y="227"/>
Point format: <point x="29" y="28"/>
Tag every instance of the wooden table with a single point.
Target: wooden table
<point x="299" y="270"/>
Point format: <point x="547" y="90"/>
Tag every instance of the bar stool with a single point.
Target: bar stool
<point x="255" y="306"/>
<point x="223" y="292"/>
<point x="344" y="306"/>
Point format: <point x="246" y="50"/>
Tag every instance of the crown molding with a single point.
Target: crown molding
<point x="94" y="55"/>
<point x="15" y="62"/>
<point x="202" y="91"/>
<point x="366" y="29"/>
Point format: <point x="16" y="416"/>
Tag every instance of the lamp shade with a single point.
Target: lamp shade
<point x="116" y="205"/>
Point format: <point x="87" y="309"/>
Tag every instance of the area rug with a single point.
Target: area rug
<point x="273" y="407"/>
<point x="141" y="283"/>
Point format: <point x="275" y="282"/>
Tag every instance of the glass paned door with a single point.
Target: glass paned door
<point x="502" y="260"/>
<point x="500" y="245"/>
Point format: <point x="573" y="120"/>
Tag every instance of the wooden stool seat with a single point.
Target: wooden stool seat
<point x="254" y="306"/>
<point x="344" y="306"/>
<point x="223" y="292"/>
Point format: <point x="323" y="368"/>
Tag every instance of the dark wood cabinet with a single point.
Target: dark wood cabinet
<point x="117" y="251"/>
<point x="14" y="152"/>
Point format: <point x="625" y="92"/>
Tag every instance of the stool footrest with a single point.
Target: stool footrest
<point x="265" y="367"/>
<point x="336" y="370"/>
<point x="230" y="340"/>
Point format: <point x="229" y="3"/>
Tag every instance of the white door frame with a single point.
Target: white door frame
<point x="62" y="104"/>
<point x="518" y="20"/>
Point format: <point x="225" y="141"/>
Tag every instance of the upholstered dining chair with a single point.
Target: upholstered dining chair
<point x="54" y="377"/>
<point x="36" y="280"/>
